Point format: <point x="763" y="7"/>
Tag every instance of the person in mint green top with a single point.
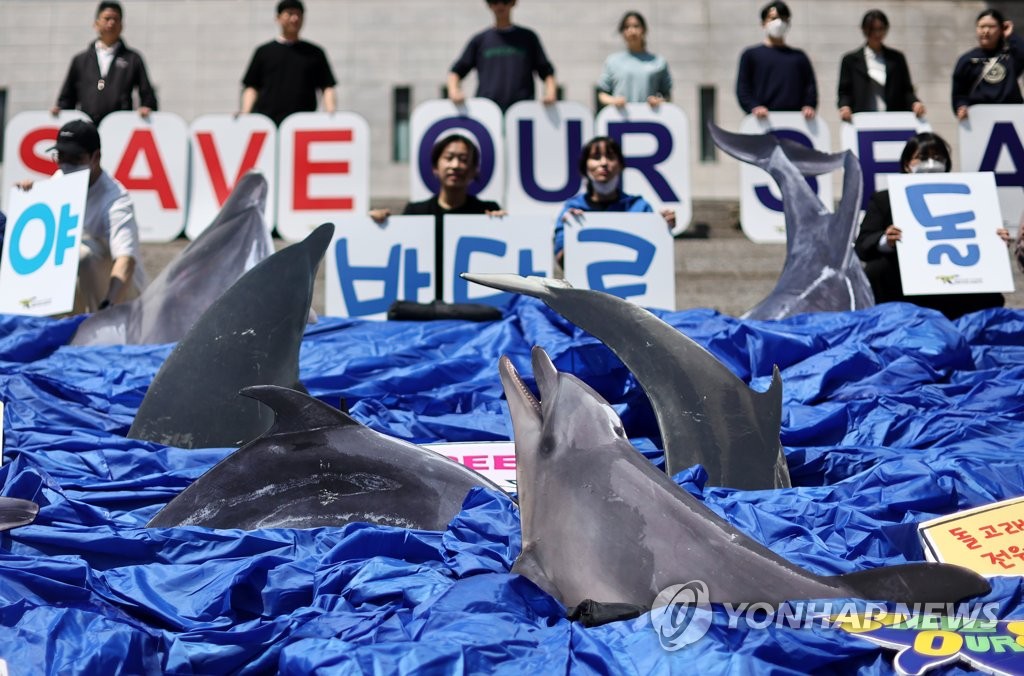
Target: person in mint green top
<point x="635" y="75"/>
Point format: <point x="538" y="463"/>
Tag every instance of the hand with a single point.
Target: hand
<point x="498" y="213"/>
<point x="655" y="100"/>
<point x="145" y="111"/>
<point x="55" y="111"/>
<point x="1004" y="235"/>
<point x="380" y="215"/>
<point x="457" y="97"/>
<point x="893" y="235"/>
<point x="846" y="113"/>
<point x="670" y="217"/>
<point x="918" y="108"/>
<point x="575" y="213"/>
<point x="619" y="101"/>
<point x="25" y="185"/>
<point x="759" y="112"/>
<point x="550" y="98"/>
<point x="961" y="113"/>
<point x="808" y="112"/>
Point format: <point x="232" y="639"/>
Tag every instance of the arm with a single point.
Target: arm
<point x="963" y="82"/>
<point x="844" y="92"/>
<point x="745" y="91"/>
<point x="810" y="102"/>
<point x="877" y="218"/>
<point x="147" y="95"/>
<point x="455" y="88"/>
<point x="550" y="89"/>
<point x="67" y="98"/>
<point x="120" y="280"/>
<point x="330" y="104"/>
<point x="606" y="85"/>
<point x="248" y="100"/>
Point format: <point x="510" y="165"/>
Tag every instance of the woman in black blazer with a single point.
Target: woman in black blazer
<point x="874" y="77"/>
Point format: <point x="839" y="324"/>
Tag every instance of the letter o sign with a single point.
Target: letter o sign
<point x="55" y="235"/>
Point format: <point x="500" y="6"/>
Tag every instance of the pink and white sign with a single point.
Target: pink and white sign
<point x="324" y="165"/>
<point x="225" y="148"/>
<point x="496" y="460"/>
<point x="149" y="156"/>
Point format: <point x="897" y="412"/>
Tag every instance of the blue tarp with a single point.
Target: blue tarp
<point x="891" y="416"/>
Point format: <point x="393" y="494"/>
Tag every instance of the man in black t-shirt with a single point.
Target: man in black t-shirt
<point x="505" y="57"/>
<point x="285" y="74"/>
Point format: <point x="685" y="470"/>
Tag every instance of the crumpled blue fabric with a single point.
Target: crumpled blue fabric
<point x="892" y="415"/>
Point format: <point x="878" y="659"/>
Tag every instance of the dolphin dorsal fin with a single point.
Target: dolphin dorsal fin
<point x="295" y="411"/>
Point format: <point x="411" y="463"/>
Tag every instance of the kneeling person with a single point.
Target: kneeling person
<point x="110" y="261"/>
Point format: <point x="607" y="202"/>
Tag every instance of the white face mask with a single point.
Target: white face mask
<point x="69" y="168"/>
<point x="608" y="187"/>
<point x="776" y="28"/>
<point x="929" y="166"/>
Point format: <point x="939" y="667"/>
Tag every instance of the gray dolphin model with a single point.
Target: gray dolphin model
<point x="249" y="336"/>
<point x="821" y="272"/>
<point x="706" y="414"/>
<point x="15" y="512"/>
<point x="318" y="467"/>
<point x="236" y="241"/>
<point x="600" y="522"/>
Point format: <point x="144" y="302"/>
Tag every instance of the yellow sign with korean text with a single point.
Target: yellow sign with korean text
<point x="989" y="540"/>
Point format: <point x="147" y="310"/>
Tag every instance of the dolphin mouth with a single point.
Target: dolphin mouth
<point x="515" y="387"/>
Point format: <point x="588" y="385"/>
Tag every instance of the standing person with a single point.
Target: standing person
<point x="773" y="75"/>
<point x="101" y="79"/>
<point x="989" y="72"/>
<point x="456" y="162"/>
<point x="285" y="74"/>
<point x="110" y="262"/>
<point x="602" y="164"/>
<point x="876" y="242"/>
<point x="875" y="78"/>
<point x="505" y="57"/>
<point x="634" y="75"/>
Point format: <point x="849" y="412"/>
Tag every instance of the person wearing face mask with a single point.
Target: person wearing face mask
<point x="773" y="75"/>
<point x="989" y="72"/>
<point x="601" y="163"/>
<point x="635" y="75"/>
<point x="875" y="78"/>
<point x="876" y="242"/>
<point x="456" y="162"/>
<point x="110" y="261"/>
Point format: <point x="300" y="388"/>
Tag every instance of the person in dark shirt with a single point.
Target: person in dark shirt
<point x="876" y="242"/>
<point x="456" y="162"/>
<point x="505" y="57"/>
<point x="773" y="75"/>
<point x="102" y="78"/>
<point x="989" y="72"/>
<point x="875" y="78"/>
<point x="285" y="74"/>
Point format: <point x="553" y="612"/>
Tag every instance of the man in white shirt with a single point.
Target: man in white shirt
<point x="110" y="260"/>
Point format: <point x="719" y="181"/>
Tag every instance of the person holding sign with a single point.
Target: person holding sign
<point x="456" y="162"/>
<point x="635" y="75"/>
<point x="505" y="57"/>
<point x="101" y="79"/>
<point x="989" y="72"/>
<point x="876" y="243"/>
<point x="601" y="163"/>
<point x="110" y="261"/>
<point x="773" y="75"/>
<point x="285" y="74"/>
<point x="875" y="78"/>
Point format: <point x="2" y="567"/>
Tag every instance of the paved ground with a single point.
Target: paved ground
<point x="726" y="271"/>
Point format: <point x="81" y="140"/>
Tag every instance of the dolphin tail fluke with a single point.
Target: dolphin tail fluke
<point x="15" y="512"/>
<point x="916" y="583"/>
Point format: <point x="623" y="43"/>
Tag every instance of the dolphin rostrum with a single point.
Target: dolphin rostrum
<point x="318" y="467"/>
<point x="706" y="414"/>
<point x="600" y="522"/>
<point x="821" y="272"/>
<point x="249" y="336"/>
<point x="15" y="512"/>
<point x="236" y="241"/>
